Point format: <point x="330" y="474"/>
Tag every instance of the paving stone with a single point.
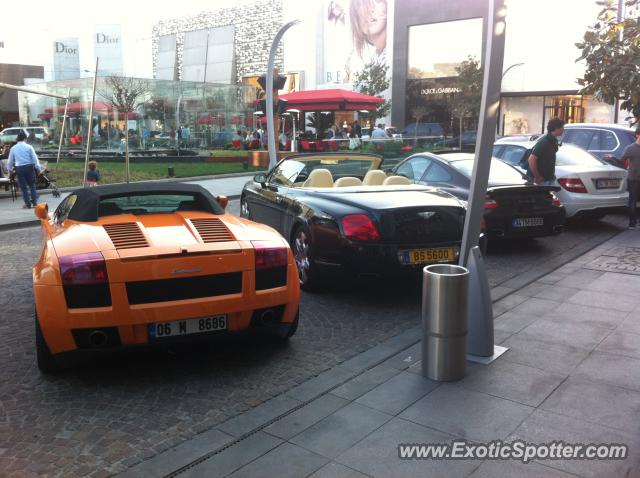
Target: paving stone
<point x="533" y="289"/>
<point x="404" y="359"/>
<point x="336" y="470"/>
<point x="306" y="416"/>
<point x="320" y="384"/>
<point x="398" y="393"/>
<point x="606" y="300"/>
<point x="568" y="333"/>
<point x="611" y="369"/>
<point x="468" y="414"/>
<point x="606" y="405"/>
<point x="580" y="278"/>
<point x="513" y="322"/>
<point x="545" y="427"/>
<point x="621" y="343"/>
<point x="234" y="458"/>
<point x="526" y="385"/>
<point x="340" y="430"/>
<point x="631" y="323"/>
<point x="552" y="278"/>
<point x="500" y="292"/>
<point x="535" y="306"/>
<point x="258" y="416"/>
<point x="366" y="381"/>
<point x="556" y="358"/>
<point x="616" y="283"/>
<point x="508" y="303"/>
<point x="556" y="292"/>
<point x="587" y="315"/>
<point x="509" y="469"/>
<point x="285" y="461"/>
<point x="377" y="455"/>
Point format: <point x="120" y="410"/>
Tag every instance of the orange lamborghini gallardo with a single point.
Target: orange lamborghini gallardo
<point x="155" y="263"/>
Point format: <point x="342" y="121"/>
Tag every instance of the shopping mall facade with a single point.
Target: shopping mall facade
<point x="422" y="42"/>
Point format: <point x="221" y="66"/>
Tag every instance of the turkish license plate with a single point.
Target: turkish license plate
<point x="426" y="256"/>
<point x="178" y="328"/>
<point x="607" y="183"/>
<point x="528" y="222"/>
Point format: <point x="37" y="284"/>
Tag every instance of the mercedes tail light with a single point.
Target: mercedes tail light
<point x="573" y="185"/>
<point x="83" y="269"/>
<point x="270" y="255"/>
<point x="360" y="227"/>
<point x="555" y="200"/>
<point x="491" y="204"/>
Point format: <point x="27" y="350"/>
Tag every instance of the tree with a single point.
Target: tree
<point x="373" y="81"/>
<point x="611" y="50"/>
<point x="124" y="95"/>
<point x="466" y="102"/>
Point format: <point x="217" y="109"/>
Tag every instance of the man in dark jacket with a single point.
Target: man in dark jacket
<point x="542" y="160"/>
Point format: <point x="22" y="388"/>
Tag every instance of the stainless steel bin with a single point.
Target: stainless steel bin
<point x="444" y="322"/>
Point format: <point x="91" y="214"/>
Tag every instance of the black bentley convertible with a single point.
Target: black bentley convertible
<point x="342" y="214"/>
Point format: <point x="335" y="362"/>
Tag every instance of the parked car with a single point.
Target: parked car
<point x="153" y="263"/>
<point x="9" y="135"/>
<point x="589" y="186"/>
<point x="513" y="208"/>
<point x="469" y="139"/>
<point x="606" y="141"/>
<point x="343" y="215"/>
<point x="427" y="133"/>
<point x="390" y="131"/>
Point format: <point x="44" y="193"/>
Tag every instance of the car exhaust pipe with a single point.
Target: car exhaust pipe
<point x="268" y="317"/>
<point x="98" y="338"/>
<point x="557" y="229"/>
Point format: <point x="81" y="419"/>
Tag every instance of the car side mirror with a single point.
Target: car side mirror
<point x="42" y="211"/>
<point x="223" y="201"/>
<point x="260" y="178"/>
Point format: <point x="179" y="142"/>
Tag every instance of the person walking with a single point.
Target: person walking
<point x="542" y="160"/>
<point x="23" y="158"/>
<point x="631" y="158"/>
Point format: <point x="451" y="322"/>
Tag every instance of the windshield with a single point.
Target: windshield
<point x="571" y="156"/>
<point x="150" y="204"/>
<point x="294" y="171"/>
<point x="500" y="173"/>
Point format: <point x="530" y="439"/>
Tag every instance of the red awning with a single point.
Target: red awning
<point x="331" y="100"/>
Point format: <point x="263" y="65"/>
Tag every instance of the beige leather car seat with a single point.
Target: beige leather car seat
<point x="346" y="182"/>
<point x="319" y="178"/>
<point x="396" y="181"/>
<point x="375" y="177"/>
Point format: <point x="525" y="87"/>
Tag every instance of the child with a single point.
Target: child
<point x="93" y="175"/>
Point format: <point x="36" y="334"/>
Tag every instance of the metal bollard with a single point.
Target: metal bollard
<point x="171" y="171"/>
<point x="444" y="322"/>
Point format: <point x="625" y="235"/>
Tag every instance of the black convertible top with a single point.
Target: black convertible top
<point x="85" y="208"/>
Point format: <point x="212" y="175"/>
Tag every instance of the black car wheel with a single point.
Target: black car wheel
<point x="244" y="208"/>
<point x="46" y="361"/>
<point x="303" y="255"/>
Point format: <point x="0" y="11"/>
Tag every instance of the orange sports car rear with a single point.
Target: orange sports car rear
<point x="156" y="263"/>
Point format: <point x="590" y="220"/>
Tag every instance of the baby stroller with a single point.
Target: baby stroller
<point x="46" y="181"/>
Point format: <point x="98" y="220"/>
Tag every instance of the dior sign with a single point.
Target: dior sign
<point x="108" y="47"/>
<point x="66" y="59"/>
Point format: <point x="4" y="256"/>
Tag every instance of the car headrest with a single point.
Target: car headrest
<point x="188" y="206"/>
<point x="319" y="178"/>
<point x="375" y="177"/>
<point x="396" y="181"/>
<point x="346" y="182"/>
<point x="108" y="209"/>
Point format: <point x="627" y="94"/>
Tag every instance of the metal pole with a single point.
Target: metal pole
<point x="616" y="105"/>
<point x="271" y="139"/>
<point x="90" y="132"/>
<point x="64" y="121"/>
<point x="30" y="90"/>
<point x="494" y="56"/>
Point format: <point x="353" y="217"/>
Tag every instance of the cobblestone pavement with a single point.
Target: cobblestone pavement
<point x="113" y="412"/>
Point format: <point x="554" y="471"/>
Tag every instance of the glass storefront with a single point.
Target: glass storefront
<point x="530" y="114"/>
<point x="435" y="52"/>
<point x="169" y="113"/>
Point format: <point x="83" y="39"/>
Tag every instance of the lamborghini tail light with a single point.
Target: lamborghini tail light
<point x="573" y="185"/>
<point x="270" y="255"/>
<point x="83" y="269"/>
<point x="360" y="227"/>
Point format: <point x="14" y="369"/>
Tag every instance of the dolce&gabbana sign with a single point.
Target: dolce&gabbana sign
<point x="440" y="91"/>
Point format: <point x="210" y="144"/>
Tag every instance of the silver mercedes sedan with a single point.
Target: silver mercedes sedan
<point x="589" y="186"/>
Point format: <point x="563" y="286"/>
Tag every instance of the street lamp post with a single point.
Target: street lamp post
<point x="271" y="139"/>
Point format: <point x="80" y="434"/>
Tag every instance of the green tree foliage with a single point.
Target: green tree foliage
<point x="611" y="50"/>
<point x="373" y="81"/>
<point x="466" y="103"/>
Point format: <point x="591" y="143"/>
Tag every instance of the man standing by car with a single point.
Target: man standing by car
<point x="542" y="160"/>
<point x="23" y="158"/>
<point x="631" y="158"/>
